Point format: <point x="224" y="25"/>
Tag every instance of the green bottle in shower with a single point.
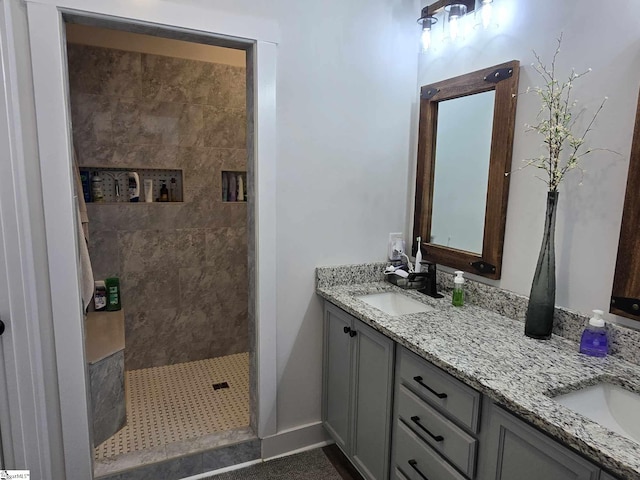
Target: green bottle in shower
<point x="113" y="294"/>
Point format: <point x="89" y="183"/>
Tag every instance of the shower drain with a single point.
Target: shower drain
<point x="218" y="386"/>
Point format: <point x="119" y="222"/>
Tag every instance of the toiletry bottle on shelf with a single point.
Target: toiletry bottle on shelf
<point x="233" y="192"/>
<point x="173" y="190"/>
<point x="225" y="187"/>
<point x="458" y="289"/>
<point x="134" y="187"/>
<point x="594" y="339"/>
<point x="100" y="296"/>
<point x="164" y="193"/>
<point x="97" y="189"/>
<point x="418" y="267"/>
<point x="148" y="190"/>
<point x="113" y="294"/>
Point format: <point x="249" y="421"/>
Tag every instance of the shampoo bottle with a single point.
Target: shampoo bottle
<point x="594" y="339"/>
<point x="458" y="289"/>
<point x="134" y="187"/>
<point x="418" y="268"/>
<point x="97" y="189"/>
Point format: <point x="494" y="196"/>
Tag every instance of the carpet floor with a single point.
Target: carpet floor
<point x="311" y="465"/>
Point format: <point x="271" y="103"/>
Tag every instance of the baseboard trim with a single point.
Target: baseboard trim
<point x="295" y="440"/>
<point x="222" y="470"/>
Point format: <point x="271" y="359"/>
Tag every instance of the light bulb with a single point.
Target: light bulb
<point x="425" y="39"/>
<point x="456" y="13"/>
<point x="487" y="7"/>
<point x="454" y="27"/>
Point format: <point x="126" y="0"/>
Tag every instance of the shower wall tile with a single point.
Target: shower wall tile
<point x="170" y="79"/>
<point x="92" y="119"/>
<point x="232" y="158"/>
<point x="106" y="379"/>
<point x="104" y="71"/>
<point x="251" y="245"/>
<point x="139" y="111"/>
<point x="146" y="250"/>
<point x="189" y="247"/>
<point x="201" y="286"/>
<point x="227" y="88"/>
<point x="157" y="123"/>
<point x="220" y="241"/>
<point x="105" y="260"/>
<point x="148" y="156"/>
<point x="148" y="334"/>
<point x="142" y="290"/>
<point x="225" y="128"/>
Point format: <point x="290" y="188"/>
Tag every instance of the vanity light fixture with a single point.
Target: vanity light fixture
<point x="454" y="11"/>
<point x="427" y="21"/>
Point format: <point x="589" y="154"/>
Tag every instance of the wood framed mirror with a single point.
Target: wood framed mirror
<point x="465" y="141"/>
<point x="625" y="296"/>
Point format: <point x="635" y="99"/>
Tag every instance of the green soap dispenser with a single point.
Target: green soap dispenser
<point x="458" y="291"/>
<point x="113" y="294"/>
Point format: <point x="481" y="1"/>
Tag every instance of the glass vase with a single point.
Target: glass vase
<point x="539" y="319"/>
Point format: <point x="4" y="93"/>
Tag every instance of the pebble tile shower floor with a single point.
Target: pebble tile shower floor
<point x="178" y="402"/>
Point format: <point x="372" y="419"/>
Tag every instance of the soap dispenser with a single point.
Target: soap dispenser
<point x="458" y="290"/>
<point x="594" y="339"/>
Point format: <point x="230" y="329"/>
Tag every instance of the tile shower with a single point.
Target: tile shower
<point x="182" y="265"/>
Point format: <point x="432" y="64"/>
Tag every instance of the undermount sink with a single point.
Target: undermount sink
<point x="611" y="406"/>
<point x="394" y="304"/>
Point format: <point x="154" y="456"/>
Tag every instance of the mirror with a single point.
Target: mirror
<point x="465" y="142"/>
<point x="625" y="297"/>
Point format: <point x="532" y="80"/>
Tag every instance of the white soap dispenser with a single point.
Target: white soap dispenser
<point x="418" y="267"/>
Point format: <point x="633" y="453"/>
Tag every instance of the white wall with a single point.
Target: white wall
<point x="588" y="224"/>
<point x="346" y="93"/>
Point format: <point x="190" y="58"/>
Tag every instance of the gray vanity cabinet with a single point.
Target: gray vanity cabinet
<point x="436" y="422"/>
<point x="357" y="391"/>
<point x="512" y="449"/>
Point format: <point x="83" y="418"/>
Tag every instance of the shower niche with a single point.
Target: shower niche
<point x="234" y="186"/>
<point x="113" y="185"/>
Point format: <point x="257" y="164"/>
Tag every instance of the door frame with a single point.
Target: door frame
<point x="47" y="43"/>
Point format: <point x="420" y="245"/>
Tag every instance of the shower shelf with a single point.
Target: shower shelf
<point x="110" y="175"/>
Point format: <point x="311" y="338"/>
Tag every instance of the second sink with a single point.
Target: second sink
<point x="394" y="304"/>
<point x="609" y="405"/>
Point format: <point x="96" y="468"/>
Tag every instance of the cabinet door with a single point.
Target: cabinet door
<point x="606" y="476"/>
<point x="513" y="449"/>
<point x="337" y="375"/>
<point x="373" y="386"/>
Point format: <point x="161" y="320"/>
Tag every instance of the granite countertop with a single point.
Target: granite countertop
<point x="490" y="353"/>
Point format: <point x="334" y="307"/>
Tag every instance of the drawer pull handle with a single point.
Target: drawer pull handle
<point x="413" y="464"/>
<point x="439" y="395"/>
<point x="416" y="420"/>
<point x="346" y="329"/>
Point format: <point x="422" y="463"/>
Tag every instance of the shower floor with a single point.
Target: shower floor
<point x="178" y="402"/>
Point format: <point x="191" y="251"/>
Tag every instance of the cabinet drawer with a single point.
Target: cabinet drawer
<point x="460" y="401"/>
<point x="441" y="434"/>
<point x="415" y="460"/>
